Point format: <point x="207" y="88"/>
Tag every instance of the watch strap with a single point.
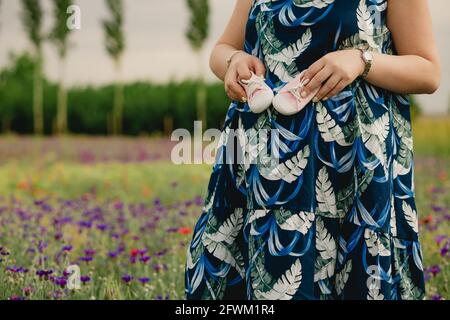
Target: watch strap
<point x="367" y="63"/>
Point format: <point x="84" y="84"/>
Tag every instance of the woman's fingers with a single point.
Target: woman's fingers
<point x="258" y="67"/>
<point x="314" y="69"/>
<point x="232" y="87"/>
<point x="243" y="72"/>
<point x="327" y="88"/>
<point x="235" y="91"/>
<point x="316" y="82"/>
<point x="338" y="88"/>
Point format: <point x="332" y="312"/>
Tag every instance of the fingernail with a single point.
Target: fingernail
<point x="325" y="98"/>
<point x="306" y="82"/>
<point x="315" y="100"/>
<point x="304" y="94"/>
<point x="243" y="99"/>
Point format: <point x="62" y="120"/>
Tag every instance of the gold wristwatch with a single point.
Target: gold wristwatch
<point x="367" y="57"/>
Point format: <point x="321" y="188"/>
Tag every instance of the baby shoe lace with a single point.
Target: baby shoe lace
<point x="295" y="90"/>
<point x="254" y="83"/>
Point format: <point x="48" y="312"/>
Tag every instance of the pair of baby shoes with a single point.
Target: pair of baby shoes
<point x="287" y="101"/>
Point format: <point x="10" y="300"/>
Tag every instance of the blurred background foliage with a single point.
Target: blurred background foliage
<point x="89" y="107"/>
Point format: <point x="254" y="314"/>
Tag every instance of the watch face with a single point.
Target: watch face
<point x="368" y="56"/>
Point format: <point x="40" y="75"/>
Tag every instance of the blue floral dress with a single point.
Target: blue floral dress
<point x="335" y="217"/>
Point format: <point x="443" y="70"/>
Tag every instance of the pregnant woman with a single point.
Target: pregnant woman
<point x="328" y="212"/>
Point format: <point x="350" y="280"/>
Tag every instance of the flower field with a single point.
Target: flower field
<point x="121" y="211"/>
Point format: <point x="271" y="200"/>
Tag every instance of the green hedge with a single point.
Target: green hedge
<point x="89" y="108"/>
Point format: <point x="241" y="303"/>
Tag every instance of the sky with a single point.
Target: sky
<point x="156" y="46"/>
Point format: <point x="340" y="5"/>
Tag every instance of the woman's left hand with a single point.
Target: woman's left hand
<point x="332" y="73"/>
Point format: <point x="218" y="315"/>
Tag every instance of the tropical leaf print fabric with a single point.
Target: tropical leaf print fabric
<point x="335" y="216"/>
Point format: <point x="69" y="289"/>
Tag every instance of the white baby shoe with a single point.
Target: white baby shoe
<point x="288" y="100"/>
<point x="259" y="94"/>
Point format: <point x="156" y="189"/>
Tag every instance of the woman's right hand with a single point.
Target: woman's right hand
<point x="240" y="69"/>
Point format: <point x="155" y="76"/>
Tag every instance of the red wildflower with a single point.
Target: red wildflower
<point x="427" y="220"/>
<point x="184" y="230"/>
<point x="134" y="252"/>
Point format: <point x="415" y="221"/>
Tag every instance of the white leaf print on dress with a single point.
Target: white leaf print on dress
<point x="373" y="130"/>
<point x="411" y="216"/>
<point x="326" y="246"/>
<point x="189" y="261"/>
<point x="366" y="24"/>
<point x="288" y="171"/>
<point x="326" y="199"/>
<point x="375" y="294"/>
<point x="257" y="214"/>
<point x="286" y="286"/>
<point x="282" y="63"/>
<point x="329" y="129"/>
<point x="216" y="243"/>
<point x="290" y="53"/>
<point x="313" y="3"/>
<point x="253" y="142"/>
<point x="374" y="138"/>
<point x="393" y="222"/>
<point x="374" y="244"/>
<point x="300" y="222"/>
<point x="342" y="277"/>
<point x="403" y="157"/>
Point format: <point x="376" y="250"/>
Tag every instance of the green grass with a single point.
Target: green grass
<point x="90" y="188"/>
<point x="431" y="136"/>
<point x="128" y="182"/>
<point x="99" y="188"/>
<point x="137" y="183"/>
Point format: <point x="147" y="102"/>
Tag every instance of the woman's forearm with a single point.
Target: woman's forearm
<point x="408" y="74"/>
<point x="231" y="40"/>
<point x="218" y="59"/>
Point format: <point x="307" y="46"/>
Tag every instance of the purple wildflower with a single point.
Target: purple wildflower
<point x="42" y="246"/>
<point x="127" y="278"/>
<point x="44" y="273"/>
<point x="440" y="238"/>
<point x="67" y="248"/>
<point x="199" y="201"/>
<point x="15" y="269"/>
<point x="144" y="280"/>
<point x="89" y="252"/>
<point x="86" y="258"/>
<point x="434" y="270"/>
<point x="102" y="227"/>
<point x="61" y="282"/>
<point x="444" y="250"/>
<point x="85" y="224"/>
<point x="112" y="254"/>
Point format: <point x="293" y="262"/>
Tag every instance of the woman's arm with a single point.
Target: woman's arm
<point x="416" y="69"/>
<point x="242" y="63"/>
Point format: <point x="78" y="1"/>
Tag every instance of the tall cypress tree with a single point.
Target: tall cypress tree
<point x="197" y="34"/>
<point x="32" y="17"/>
<point x="115" y="46"/>
<point x="60" y="36"/>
